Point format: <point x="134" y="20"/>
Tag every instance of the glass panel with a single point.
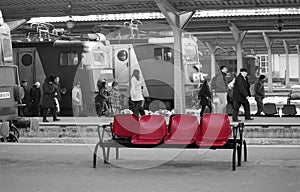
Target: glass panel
<point x="99" y="58"/>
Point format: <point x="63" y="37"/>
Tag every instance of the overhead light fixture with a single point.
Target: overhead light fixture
<point x="279" y="24"/>
<point x="70" y="24"/>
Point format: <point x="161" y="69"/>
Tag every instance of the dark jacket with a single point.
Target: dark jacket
<point x="259" y="89"/>
<point x="35" y="95"/>
<point x="219" y="83"/>
<point x="204" y="94"/>
<point x="58" y="91"/>
<point x="48" y="95"/>
<point x="241" y="89"/>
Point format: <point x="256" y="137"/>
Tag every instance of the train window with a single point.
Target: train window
<point x="164" y="53"/>
<point x="122" y="55"/>
<point x="7" y="51"/>
<point x="67" y="58"/>
<point x="99" y="58"/>
<point x="190" y="54"/>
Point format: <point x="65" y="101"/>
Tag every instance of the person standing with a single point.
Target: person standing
<point x="259" y="94"/>
<point x="205" y="97"/>
<point x="26" y="100"/>
<point x="101" y="100"/>
<point x="58" y="94"/>
<point x="35" y="97"/>
<point x="220" y="86"/>
<point x="136" y="93"/>
<point x="48" y="99"/>
<point x="115" y="98"/>
<point x="76" y="99"/>
<point x="241" y="94"/>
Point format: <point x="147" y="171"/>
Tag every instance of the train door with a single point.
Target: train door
<point x="121" y="63"/>
<point x="25" y="61"/>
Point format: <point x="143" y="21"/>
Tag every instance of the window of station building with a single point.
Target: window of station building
<point x="68" y="58"/>
<point x="263" y="63"/>
<point x="99" y="58"/>
<point x="163" y="53"/>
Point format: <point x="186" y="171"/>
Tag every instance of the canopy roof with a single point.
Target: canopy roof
<point x="25" y="9"/>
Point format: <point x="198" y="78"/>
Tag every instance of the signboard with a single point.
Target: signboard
<point x="4" y="95"/>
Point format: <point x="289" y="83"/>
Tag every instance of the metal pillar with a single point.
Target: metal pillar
<point x="212" y="50"/>
<point x="298" y="53"/>
<point x="177" y="21"/>
<point x="270" y="64"/>
<point x="238" y="37"/>
<point x="287" y="65"/>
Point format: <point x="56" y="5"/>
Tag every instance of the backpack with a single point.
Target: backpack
<point x="252" y="89"/>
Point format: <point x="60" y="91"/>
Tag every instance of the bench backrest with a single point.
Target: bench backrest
<point x="215" y="130"/>
<point x="125" y="125"/>
<point x="183" y="128"/>
<point x="152" y="127"/>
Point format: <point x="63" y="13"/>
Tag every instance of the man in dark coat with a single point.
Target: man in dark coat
<point x="35" y="97"/>
<point x="241" y="94"/>
<point x="48" y="98"/>
<point x="204" y="96"/>
<point x="259" y="94"/>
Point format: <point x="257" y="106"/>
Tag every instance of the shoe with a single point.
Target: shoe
<point x="248" y="119"/>
<point x="45" y="120"/>
<point x="56" y="119"/>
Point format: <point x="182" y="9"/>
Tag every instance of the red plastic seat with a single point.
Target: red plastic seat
<point x="215" y="130"/>
<point x="125" y="125"/>
<point x="183" y="129"/>
<point x="152" y="130"/>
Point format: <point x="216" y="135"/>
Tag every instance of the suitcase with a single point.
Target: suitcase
<point x="270" y="109"/>
<point x="289" y="110"/>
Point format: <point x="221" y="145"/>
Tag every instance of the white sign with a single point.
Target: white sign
<point x="4" y="95"/>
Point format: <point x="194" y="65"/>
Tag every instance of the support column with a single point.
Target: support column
<point x="287" y="65"/>
<point x="212" y="50"/>
<point x="298" y="53"/>
<point x="177" y="21"/>
<point x="270" y="64"/>
<point x="238" y="37"/>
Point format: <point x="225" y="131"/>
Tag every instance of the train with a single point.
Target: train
<point x="10" y="91"/>
<point x="90" y="57"/>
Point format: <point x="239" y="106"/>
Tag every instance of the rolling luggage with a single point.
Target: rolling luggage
<point x="289" y="110"/>
<point x="270" y="109"/>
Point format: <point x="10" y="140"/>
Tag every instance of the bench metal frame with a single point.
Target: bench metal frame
<point x="234" y="143"/>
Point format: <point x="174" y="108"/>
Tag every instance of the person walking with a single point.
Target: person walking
<point x="259" y="94"/>
<point x="136" y="93"/>
<point x="204" y="96"/>
<point x="24" y="111"/>
<point x="77" y="99"/>
<point x="241" y="94"/>
<point x="115" y="98"/>
<point x="220" y="86"/>
<point x="35" y="97"/>
<point x="48" y="99"/>
<point x="101" y="100"/>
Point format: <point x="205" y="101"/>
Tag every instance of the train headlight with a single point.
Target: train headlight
<point x="122" y="55"/>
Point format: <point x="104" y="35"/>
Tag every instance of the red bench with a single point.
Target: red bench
<point x="183" y="131"/>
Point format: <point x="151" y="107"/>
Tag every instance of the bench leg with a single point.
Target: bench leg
<point x="104" y="155"/>
<point x="117" y="153"/>
<point x="95" y="155"/>
<point x="108" y="153"/>
<point x="234" y="158"/>
<point x="239" y="154"/>
<point x="245" y="151"/>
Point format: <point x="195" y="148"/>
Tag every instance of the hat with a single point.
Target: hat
<point x="37" y="84"/>
<point x="243" y="70"/>
<point x="23" y="81"/>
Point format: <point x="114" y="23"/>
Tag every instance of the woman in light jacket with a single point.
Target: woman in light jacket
<point x="136" y="93"/>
